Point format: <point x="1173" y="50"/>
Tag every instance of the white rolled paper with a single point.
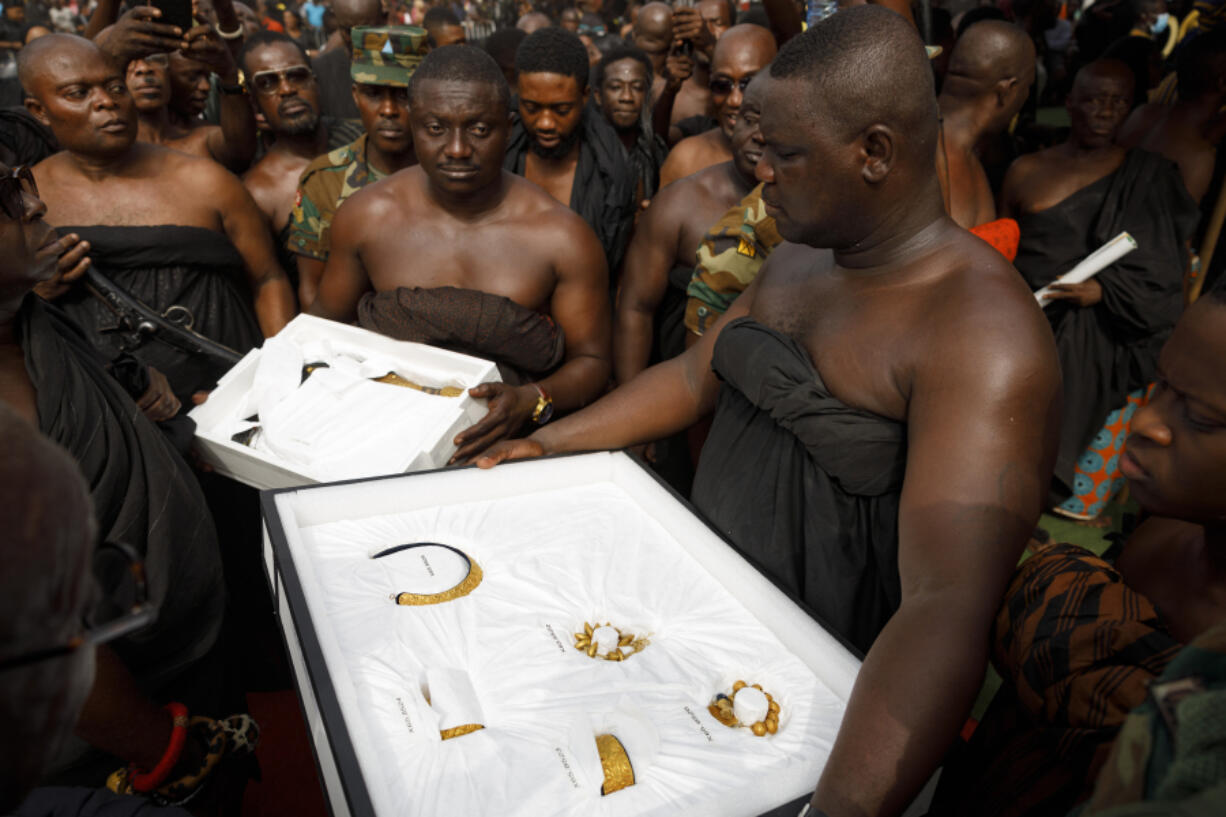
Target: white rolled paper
<point x="750" y="706"/>
<point x="606" y="640"/>
<point x="1092" y="264"/>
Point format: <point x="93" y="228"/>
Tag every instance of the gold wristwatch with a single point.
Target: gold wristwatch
<point x="544" y="406"/>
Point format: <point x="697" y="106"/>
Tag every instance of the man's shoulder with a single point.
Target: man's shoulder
<point x="979" y="294"/>
<point x="553" y="223"/>
<point x="530" y="203"/>
<point x="698" y="142"/>
<point x="188" y="168"/>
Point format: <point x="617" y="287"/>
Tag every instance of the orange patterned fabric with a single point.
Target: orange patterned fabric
<point x="1096" y="476"/>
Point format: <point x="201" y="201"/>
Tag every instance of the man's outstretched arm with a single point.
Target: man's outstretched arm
<point x="982" y="424"/>
<point x="662" y="400"/>
<point x="580" y="308"/>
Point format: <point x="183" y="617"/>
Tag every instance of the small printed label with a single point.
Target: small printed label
<point x="698" y="723"/>
<point x="556" y="640"/>
<point x="570" y="773"/>
<point x="404" y="712"/>
<point x="426" y="562"/>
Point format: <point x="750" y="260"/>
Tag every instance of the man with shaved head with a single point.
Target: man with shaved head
<point x="1069" y="200"/>
<point x="989" y="78"/>
<point x="740" y="54"/>
<point x="332" y="67"/>
<point x="174" y="231"/>
<point x="653" y="35"/>
<point x="886" y="397"/>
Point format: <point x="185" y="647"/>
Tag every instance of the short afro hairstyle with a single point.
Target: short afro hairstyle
<point x="553" y="51"/>
<point x="461" y="63"/>
<point x="617" y="54"/>
<point x="265" y="37"/>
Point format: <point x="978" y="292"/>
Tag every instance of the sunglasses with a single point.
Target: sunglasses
<point x="139" y="615"/>
<point x="15" y="186"/>
<point x="724" y="85"/>
<point x="267" y="82"/>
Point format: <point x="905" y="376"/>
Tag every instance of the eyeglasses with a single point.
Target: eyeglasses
<point x="15" y="185"/>
<point x="139" y="615"/>
<point x="267" y="82"/>
<point x="723" y="85"/>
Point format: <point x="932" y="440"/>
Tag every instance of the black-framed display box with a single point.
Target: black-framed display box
<point x="548" y="637"/>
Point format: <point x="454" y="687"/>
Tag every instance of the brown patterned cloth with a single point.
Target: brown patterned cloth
<point x="471" y="322"/>
<point x="1076" y="648"/>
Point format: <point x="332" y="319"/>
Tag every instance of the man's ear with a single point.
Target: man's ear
<point x="36" y="109"/>
<point x="878" y="147"/>
<point x="1004" y="91"/>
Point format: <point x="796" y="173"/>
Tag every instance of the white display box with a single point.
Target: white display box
<point x="418" y="362"/>
<point x="336" y="619"/>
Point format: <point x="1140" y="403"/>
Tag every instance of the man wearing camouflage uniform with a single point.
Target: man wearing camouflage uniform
<point x="729" y="257"/>
<point x="383" y="60"/>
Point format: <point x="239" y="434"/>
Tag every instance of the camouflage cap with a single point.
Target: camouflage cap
<point x="386" y="55"/>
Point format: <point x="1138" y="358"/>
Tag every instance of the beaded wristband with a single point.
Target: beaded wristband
<point x="148" y="781"/>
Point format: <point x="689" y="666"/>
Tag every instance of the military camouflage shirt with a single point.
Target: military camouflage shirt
<point x="729" y="257"/>
<point x="327" y="182"/>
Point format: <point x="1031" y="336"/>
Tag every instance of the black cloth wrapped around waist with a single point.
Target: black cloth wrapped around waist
<point x="470" y="322"/>
<point x="804" y="485"/>
<point x="163" y="266"/>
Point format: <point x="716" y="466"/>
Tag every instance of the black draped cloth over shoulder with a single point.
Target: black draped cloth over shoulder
<point x="164" y="266"/>
<point x="143" y="492"/>
<point x="603" y="189"/>
<point x="804" y="485"/>
<point x="1111" y="348"/>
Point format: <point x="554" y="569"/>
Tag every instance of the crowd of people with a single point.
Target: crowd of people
<point x="788" y="259"/>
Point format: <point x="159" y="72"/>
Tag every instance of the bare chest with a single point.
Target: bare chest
<point x="128" y="202"/>
<point x="858" y="341"/>
<point x="501" y="259"/>
<point x="275" y="186"/>
<point x="692" y="100"/>
<point x="1060" y="179"/>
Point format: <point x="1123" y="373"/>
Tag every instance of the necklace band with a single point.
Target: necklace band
<point x="467" y="584"/>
